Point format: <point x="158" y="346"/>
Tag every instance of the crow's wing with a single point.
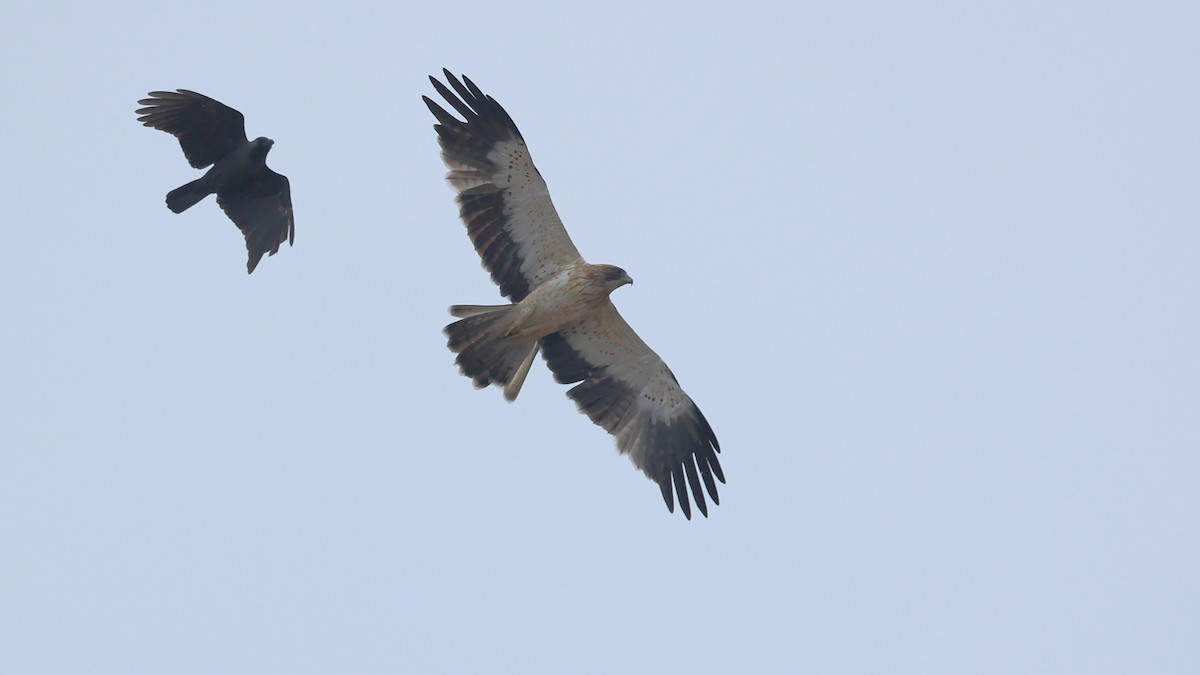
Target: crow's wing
<point x="206" y="128"/>
<point x="262" y="210"/>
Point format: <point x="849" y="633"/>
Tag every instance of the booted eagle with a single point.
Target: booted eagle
<point x="256" y="199"/>
<point x="560" y="306"/>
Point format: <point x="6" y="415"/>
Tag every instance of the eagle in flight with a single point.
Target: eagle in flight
<point x="560" y="306"/>
<point x="256" y="199"/>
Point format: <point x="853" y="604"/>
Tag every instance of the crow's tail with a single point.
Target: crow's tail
<point x="183" y="198"/>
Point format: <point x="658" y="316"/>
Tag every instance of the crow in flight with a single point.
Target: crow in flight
<point x="256" y="199"/>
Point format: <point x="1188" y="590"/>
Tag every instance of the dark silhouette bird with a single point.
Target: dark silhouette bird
<point x="256" y="199"/>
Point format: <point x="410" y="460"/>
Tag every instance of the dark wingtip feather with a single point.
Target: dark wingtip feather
<point x="668" y="496"/>
<point x="694" y="483"/>
<point x="680" y="489"/>
<point x="706" y="473"/>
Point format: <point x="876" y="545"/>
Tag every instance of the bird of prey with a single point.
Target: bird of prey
<point x="560" y="306"/>
<point x="256" y="199"/>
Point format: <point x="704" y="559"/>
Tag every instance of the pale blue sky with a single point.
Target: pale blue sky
<point x="929" y="271"/>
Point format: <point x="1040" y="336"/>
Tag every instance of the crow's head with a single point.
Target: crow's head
<point x="262" y="145"/>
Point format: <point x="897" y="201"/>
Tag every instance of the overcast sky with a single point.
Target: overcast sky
<point x="931" y="273"/>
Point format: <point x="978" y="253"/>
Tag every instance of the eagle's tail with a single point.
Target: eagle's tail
<point x="485" y="353"/>
<point x="185" y="197"/>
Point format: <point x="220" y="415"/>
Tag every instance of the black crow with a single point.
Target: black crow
<point x="256" y="199"/>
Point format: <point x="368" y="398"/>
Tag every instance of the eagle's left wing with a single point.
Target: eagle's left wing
<point x="502" y="198"/>
<point x="627" y="389"/>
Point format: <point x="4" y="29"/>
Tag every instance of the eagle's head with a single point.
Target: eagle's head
<point x="614" y="277"/>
